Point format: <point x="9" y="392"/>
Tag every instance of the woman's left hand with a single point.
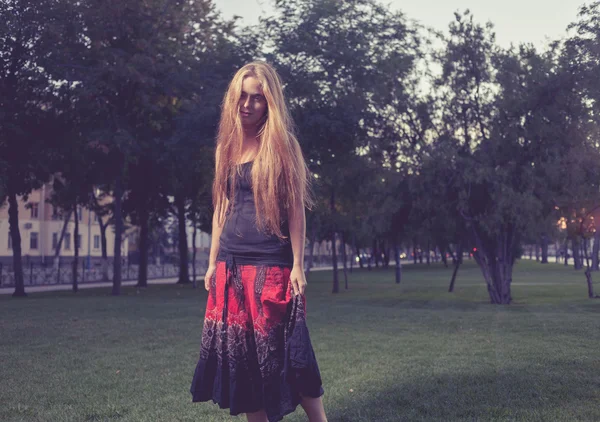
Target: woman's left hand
<point x="298" y="280"/>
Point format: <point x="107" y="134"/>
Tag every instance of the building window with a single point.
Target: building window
<point x="79" y="241"/>
<point x="96" y="241"/>
<point x="33" y="240"/>
<point x="57" y="213"/>
<point x="54" y="240"/>
<point x="34" y="210"/>
<point x="67" y="240"/>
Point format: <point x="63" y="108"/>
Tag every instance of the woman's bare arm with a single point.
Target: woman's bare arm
<point x="297" y="224"/>
<point x="216" y="234"/>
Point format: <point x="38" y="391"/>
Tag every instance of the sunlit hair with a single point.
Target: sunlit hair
<point x="280" y="176"/>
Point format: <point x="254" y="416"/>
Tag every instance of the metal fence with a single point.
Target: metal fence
<point x="39" y="275"/>
<point x="36" y="274"/>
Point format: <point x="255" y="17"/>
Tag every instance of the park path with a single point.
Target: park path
<point x="95" y="285"/>
<point x="92" y="285"/>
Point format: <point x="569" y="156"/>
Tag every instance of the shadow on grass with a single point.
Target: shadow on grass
<point x="558" y="390"/>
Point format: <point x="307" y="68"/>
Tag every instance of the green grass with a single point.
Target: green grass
<point x="408" y="352"/>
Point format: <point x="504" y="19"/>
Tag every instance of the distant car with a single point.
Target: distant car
<point x="364" y="256"/>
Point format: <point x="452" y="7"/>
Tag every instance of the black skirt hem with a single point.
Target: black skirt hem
<point x="276" y="418"/>
<point x="273" y="418"/>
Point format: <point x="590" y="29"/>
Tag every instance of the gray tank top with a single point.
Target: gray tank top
<point x="241" y="239"/>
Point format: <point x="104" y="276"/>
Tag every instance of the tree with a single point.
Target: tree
<point x="31" y="101"/>
<point x="102" y="211"/>
<point x="146" y="202"/>
<point x="134" y="66"/>
<point x="514" y="121"/>
<point x="581" y="57"/>
<point x="434" y="187"/>
<point x="334" y="58"/>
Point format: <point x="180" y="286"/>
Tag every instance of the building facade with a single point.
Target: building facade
<point x="40" y="225"/>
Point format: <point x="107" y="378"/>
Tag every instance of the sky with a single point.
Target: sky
<point x="515" y="21"/>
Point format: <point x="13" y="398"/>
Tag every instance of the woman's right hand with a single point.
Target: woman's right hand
<point x="209" y="275"/>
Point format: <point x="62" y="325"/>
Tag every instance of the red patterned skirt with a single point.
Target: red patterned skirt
<point x="255" y="351"/>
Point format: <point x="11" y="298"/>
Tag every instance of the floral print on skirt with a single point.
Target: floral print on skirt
<point x="242" y="361"/>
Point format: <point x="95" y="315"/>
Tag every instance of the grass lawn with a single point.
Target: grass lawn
<point x="387" y="352"/>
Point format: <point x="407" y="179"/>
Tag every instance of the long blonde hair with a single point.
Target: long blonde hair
<point x="279" y="170"/>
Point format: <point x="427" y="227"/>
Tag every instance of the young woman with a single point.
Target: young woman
<point x="251" y="361"/>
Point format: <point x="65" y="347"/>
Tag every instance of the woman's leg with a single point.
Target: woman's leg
<point x="314" y="409"/>
<point x="259" y="416"/>
<point x="312" y="406"/>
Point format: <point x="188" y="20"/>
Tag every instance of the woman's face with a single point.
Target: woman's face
<point x="253" y="104"/>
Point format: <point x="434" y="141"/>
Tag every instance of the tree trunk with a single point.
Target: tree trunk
<point x="398" y="263"/>
<point x="194" y="234"/>
<point x="585" y="252"/>
<point x="567" y="252"/>
<point x="496" y="263"/>
<point x="443" y="255"/>
<point x="351" y="260"/>
<point x="577" y="262"/>
<point x="76" y="245"/>
<point x="336" y="283"/>
<point x="590" y="284"/>
<point x="537" y="252"/>
<point x="427" y="256"/>
<point x="118" y="221"/>
<point x="452" y="254"/>
<point x="386" y="254"/>
<point x="143" y="247"/>
<point x="375" y="253"/>
<point x="311" y="255"/>
<point x="344" y="259"/>
<point x="360" y="261"/>
<point x="104" y="249"/>
<point x="415" y="251"/>
<point x="60" y="240"/>
<point x="352" y="249"/>
<point x="334" y="263"/>
<point x="595" y="251"/>
<point x="184" y="277"/>
<point x="312" y="241"/>
<point x="457" y="263"/>
<point x="15" y="234"/>
<point x="544" y="243"/>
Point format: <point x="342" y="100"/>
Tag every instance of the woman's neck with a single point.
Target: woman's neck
<point x="250" y="144"/>
<point x="250" y="133"/>
<point x="250" y="140"/>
